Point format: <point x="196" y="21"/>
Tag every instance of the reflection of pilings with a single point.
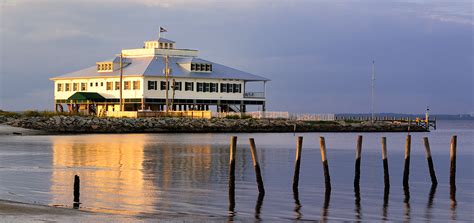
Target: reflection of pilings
<point x="297" y="204"/>
<point x="258" y="205"/>
<point x="233" y="145"/>
<point x="325" y="209"/>
<point x="406" y="170"/>
<point x="406" y="201"/>
<point x="434" y="181"/>
<point x="454" y="203"/>
<point x="357" y="161"/>
<point x="296" y="176"/>
<point x="357" y="201"/>
<point x="327" y="177"/>
<point x="429" y="206"/>
<point x="386" y="194"/>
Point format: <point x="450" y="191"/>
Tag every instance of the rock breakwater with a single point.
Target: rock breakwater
<point x="88" y="124"/>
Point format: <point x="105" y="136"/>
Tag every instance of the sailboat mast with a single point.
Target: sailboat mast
<point x="373" y="91"/>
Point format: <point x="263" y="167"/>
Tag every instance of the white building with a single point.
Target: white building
<point x="198" y="84"/>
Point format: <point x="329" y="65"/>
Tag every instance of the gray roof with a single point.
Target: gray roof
<point x="154" y="66"/>
<point x="192" y="60"/>
<point x="164" y="40"/>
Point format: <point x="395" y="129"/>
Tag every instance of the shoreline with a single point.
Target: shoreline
<point x="57" y="125"/>
<point x="14" y="211"/>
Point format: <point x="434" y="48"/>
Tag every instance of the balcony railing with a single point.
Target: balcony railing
<point x="254" y="95"/>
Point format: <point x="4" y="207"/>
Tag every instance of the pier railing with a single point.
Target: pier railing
<point x="254" y="114"/>
<point x="254" y="95"/>
<point x="313" y="117"/>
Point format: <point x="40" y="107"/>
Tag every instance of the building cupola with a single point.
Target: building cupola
<point x="161" y="43"/>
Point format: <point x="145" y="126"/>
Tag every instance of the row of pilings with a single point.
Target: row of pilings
<point x="326" y="174"/>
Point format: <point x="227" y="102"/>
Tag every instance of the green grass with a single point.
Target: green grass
<point x="322" y="122"/>
<point x="35" y="113"/>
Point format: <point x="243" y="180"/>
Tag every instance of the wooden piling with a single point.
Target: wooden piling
<point x="452" y="156"/>
<point x="76" y="188"/>
<point x="233" y="146"/>
<point x="296" y="176"/>
<point x="406" y="170"/>
<point x="434" y="181"/>
<point x="256" y="166"/>
<point x="357" y="161"/>
<point x="386" y="176"/>
<point x="327" y="177"/>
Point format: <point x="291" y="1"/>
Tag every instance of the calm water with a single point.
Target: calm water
<point x="151" y="174"/>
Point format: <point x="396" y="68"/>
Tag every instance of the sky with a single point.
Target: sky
<point x="318" y="54"/>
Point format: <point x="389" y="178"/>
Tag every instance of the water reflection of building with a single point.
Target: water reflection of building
<point x="134" y="174"/>
<point x="110" y="168"/>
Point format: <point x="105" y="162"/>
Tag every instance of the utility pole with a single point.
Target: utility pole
<point x="373" y="91"/>
<point x="172" y="97"/>
<point x="167" y="73"/>
<point x="427" y="116"/>
<point x="121" y="80"/>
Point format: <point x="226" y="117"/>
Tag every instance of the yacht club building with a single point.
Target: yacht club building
<point x="193" y="83"/>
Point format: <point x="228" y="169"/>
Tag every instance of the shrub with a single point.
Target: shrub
<point x="9" y="114"/>
<point x="238" y="117"/>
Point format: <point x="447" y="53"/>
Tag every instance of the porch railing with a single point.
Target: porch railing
<point x="254" y="95"/>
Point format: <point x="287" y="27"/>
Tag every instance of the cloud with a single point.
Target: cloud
<point x="56" y="34"/>
<point x="460" y="11"/>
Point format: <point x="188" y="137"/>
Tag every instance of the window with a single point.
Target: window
<point x="199" y="87"/>
<point x="136" y="85"/>
<point x="117" y="85"/>
<point x="206" y="87"/>
<point x="223" y="87"/>
<point x="75" y="86"/>
<point x="101" y="84"/>
<point x="189" y="86"/>
<point x="163" y="85"/>
<point x="152" y="85"/>
<point x="236" y="88"/>
<point x="201" y="67"/>
<point x="230" y="88"/>
<point x="110" y="86"/>
<point x="67" y="87"/>
<point x="126" y="85"/>
<point x="60" y="87"/>
<point x="177" y="86"/>
<point x="171" y="46"/>
<point x="92" y="84"/>
<point x="96" y="84"/>
<point x="83" y="86"/>
<point x="105" y="67"/>
<point x="213" y="87"/>
<point x="161" y="45"/>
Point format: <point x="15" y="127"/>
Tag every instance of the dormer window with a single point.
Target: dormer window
<point x="105" y="67"/>
<point x="201" y="67"/>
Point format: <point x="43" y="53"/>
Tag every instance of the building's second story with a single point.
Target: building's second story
<point x="143" y="73"/>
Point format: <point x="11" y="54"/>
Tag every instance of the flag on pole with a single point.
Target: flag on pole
<point x="163" y="30"/>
